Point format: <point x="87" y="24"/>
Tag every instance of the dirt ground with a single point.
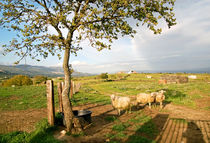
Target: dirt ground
<point x="169" y="121"/>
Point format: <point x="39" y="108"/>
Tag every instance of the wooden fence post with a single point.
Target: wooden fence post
<point x="50" y="103"/>
<point x="59" y="86"/>
<point x="72" y="89"/>
<point x="62" y="86"/>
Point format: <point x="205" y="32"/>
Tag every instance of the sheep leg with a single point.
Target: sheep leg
<point x="150" y="105"/>
<point x="118" y="112"/>
<point x="161" y="105"/>
<point x="137" y="105"/>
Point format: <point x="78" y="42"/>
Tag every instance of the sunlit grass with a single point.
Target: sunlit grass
<point x="95" y="90"/>
<point x="23" y="97"/>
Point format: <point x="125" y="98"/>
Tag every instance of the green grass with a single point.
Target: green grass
<point x="120" y="127"/>
<point x="140" y="126"/>
<point x="22" y="97"/>
<point x="148" y="128"/>
<point x="140" y="119"/>
<point x="207" y="108"/>
<point x="110" y="118"/>
<point x="42" y="134"/>
<point x="95" y="90"/>
<point x="139" y="139"/>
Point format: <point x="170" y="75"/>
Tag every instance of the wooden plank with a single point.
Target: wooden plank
<point x="50" y="103"/>
<point x="159" y="137"/>
<point x="72" y="89"/>
<point x="203" y="130"/>
<point x="180" y="132"/>
<point x="184" y="138"/>
<point x="59" y="86"/>
<point x="167" y="130"/>
<point x="171" y="132"/>
<point x="206" y="123"/>
<point x="176" y="130"/>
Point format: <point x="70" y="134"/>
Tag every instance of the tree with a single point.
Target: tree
<point x="104" y="76"/>
<point x="99" y="21"/>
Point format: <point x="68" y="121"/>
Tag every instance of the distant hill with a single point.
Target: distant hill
<point x="34" y="70"/>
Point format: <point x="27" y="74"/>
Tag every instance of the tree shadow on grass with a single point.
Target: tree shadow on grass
<point x="101" y="121"/>
<point x="149" y="131"/>
<point x="173" y="94"/>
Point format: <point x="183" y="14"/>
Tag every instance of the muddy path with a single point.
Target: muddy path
<point x="177" y="124"/>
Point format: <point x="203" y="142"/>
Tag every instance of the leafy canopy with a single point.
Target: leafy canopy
<point x="98" y="21"/>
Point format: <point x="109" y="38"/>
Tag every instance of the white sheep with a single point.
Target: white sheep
<point x="145" y="98"/>
<point x="121" y="103"/>
<point x="159" y="97"/>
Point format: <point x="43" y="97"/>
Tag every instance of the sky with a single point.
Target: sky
<point x="184" y="46"/>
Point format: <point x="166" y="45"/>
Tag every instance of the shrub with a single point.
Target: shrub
<point x="18" y="80"/>
<point x="112" y="76"/>
<point x="39" y="79"/>
<point x="104" y="76"/>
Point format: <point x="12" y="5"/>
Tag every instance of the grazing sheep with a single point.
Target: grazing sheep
<point x="150" y="98"/>
<point x="121" y="103"/>
<point x="148" y="76"/>
<point x="160" y="97"/>
<point x="145" y="98"/>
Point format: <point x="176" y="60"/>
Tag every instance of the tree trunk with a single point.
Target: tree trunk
<point x="68" y="114"/>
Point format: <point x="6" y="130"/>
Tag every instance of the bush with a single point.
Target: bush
<point x="112" y="76"/>
<point x="104" y="76"/>
<point x="18" y="80"/>
<point x="39" y="79"/>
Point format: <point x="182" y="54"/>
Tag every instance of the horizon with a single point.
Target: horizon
<point x="56" y="68"/>
<point x="184" y="46"/>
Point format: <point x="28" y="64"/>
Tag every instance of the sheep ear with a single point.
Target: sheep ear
<point x="112" y="96"/>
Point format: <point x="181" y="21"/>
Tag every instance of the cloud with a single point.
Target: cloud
<point x="78" y="63"/>
<point x="110" y="67"/>
<point x="184" y="46"/>
<point x="1" y="50"/>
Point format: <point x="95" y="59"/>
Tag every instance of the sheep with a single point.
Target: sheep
<point x="159" y="97"/>
<point x="150" y="98"/>
<point x="145" y="98"/>
<point x="121" y="103"/>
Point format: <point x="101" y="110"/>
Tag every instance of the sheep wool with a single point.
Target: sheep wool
<point x="121" y="103"/>
<point x="145" y="98"/>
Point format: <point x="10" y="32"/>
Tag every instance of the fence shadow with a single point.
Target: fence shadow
<point x="162" y="129"/>
<point x="193" y="133"/>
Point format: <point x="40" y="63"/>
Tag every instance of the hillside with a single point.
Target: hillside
<point x="34" y="70"/>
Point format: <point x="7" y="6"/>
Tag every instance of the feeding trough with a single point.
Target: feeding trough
<point x="84" y="117"/>
<point x="85" y="114"/>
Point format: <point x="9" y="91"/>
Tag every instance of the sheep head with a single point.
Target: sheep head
<point x="112" y="97"/>
<point x="162" y="91"/>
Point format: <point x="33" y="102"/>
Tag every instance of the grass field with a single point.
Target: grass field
<point x="95" y="90"/>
